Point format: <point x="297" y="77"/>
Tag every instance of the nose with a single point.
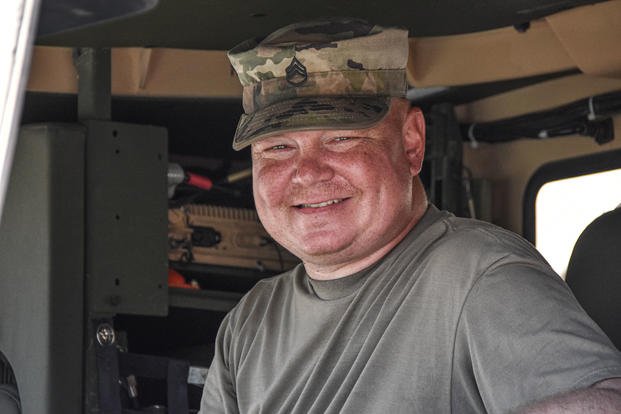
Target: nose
<point x="311" y="168"/>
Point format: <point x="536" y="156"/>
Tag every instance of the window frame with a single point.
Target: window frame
<point x="558" y="170"/>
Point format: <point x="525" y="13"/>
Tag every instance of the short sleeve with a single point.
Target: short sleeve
<point x="219" y="395"/>
<point x="522" y="336"/>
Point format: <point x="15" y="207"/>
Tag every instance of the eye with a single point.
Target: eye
<point x="277" y="147"/>
<point x="273" y="150"/>
<point x="266" y="148"/>
<point x="343" y="142"/>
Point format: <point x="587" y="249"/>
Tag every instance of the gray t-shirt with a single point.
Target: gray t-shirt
<point x="461" y="316"/>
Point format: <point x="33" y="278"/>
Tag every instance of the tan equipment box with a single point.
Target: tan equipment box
<point x="224" y="236"/>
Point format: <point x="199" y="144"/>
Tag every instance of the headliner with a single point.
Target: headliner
<point x="221" y="24"/>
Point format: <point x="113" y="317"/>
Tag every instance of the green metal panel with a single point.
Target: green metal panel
<point x="42" y="267"/>
<point x="126" y="216"/>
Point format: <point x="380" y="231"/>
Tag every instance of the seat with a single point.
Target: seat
<point x="9" y="397"/>
<point x="9" y="400"/>
<point x="594" y="273"/>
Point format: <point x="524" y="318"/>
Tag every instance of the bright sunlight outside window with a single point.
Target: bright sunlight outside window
<point x="565" y="207"/>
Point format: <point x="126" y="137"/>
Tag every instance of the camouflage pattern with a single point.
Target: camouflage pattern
<point x="333" y="57"/>
<point x="310" y="114"/>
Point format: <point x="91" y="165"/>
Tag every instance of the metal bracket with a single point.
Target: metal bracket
<point x="444" y="152"/>
<point x="94" y="83"/>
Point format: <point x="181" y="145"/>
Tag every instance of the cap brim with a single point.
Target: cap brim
<point x="310" y="113"/>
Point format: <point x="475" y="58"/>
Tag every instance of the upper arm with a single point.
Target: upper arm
<point x="526" y="338"/>
<point x="219" y="395"/>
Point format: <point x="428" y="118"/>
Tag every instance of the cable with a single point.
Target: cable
<point x="199" y="181"/>
<point x="587" y="117"/>
<point x="238" y="176"/>
<point x="467" y="180"/>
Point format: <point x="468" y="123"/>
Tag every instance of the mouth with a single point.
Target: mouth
<point x="321" y="204"/>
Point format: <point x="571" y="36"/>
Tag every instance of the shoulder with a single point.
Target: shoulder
<point x="483" y="234"/>
<point x="461" y="251"/>
<point x="508" y="273"/>
<point x="489" y="245"/>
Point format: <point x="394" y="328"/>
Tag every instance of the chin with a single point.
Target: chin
<point x="325" y="247"/>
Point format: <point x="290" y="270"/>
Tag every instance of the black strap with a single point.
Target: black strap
<point x="178" y="387"/>
<point x="108" y="377"/>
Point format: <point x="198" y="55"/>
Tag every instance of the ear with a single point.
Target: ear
<point x="414" y="139"/>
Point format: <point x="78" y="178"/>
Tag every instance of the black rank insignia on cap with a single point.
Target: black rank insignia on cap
<point x="296" y="73"/>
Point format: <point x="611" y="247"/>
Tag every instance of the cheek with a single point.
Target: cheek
<point x="378" y="168"/>
<point x="269" y="185"/>
<point x="388" y="177"/>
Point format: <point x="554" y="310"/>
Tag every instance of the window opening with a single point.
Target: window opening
<point x="564" y="207"/>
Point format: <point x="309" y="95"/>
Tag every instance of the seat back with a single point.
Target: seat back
<point x="594" y="273"/>
<point x="9" y="398"/>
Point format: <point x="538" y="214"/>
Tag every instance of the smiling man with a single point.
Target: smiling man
<point x="340" y="200"/>
<point x="397" y="307"/>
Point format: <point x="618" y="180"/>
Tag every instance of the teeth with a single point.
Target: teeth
<point x="322" y="204"/>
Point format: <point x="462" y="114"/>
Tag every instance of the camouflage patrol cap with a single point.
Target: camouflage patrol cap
<point x="333" y="73"/>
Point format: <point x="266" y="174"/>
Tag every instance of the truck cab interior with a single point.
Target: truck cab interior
<point x="128" y="228"/>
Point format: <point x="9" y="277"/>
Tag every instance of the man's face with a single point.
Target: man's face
<point x="333" y="196"/>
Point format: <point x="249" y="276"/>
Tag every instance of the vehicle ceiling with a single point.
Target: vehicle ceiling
<point x="221" y="24"/>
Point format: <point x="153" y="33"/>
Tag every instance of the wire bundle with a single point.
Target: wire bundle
<point x="589" y="117"/>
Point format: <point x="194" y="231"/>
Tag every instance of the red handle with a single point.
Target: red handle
<point x="199" y="181"/>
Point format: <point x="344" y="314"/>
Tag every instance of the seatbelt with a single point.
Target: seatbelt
<point x="178" y="386"/>
<point x="108" y="379"/>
